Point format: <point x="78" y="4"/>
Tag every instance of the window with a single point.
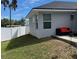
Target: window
<point x="36" y="21"/>
<point x="46" y="21"/>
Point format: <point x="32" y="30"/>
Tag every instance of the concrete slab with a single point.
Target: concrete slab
<point x="73" y="39"/>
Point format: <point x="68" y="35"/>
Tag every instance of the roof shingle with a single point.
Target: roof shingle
<point x="58" y="5"/>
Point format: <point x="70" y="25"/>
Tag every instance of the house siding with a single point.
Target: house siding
<point x="74" y="24"/>
<point x="32" y="24"/>
<point x="57" y="20"/>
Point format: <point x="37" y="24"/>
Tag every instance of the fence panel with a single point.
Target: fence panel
<point x="9" y="33"/>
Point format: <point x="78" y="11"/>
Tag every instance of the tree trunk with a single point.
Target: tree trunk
<point x="10" y="16"/>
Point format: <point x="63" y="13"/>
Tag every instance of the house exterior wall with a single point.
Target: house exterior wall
<point x="57" y="20"/>
<point x="74" y="24"/>
<point x="33" y="30"/>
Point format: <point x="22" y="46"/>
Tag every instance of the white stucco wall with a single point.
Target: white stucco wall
<point x="57" y="20"/>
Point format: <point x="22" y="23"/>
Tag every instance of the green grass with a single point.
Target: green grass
<point x="29" y="47"/>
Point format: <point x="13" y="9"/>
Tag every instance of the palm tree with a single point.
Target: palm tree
<point x="12" y="5"/>
<point x="5" y="3"/>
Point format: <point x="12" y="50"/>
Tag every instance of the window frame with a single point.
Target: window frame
<point x="46" y="21"/>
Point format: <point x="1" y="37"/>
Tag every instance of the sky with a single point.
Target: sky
<point x="24" y="7"/>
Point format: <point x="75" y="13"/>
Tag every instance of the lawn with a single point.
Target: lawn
<point x="29" y="47"/>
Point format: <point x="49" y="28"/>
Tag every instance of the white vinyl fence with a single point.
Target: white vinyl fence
<point x="13" y="32"/>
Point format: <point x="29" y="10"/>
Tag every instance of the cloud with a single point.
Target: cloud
<point x="5" y="17"/>
<point x="27" y="2"/>
<point x="22" y="8"/>
<point x="17" y="15"/>
<point x="33" y="1"/>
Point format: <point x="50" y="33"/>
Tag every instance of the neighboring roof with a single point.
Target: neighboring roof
<point x="58" y="5"/>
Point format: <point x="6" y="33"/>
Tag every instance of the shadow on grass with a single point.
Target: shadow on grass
<point x="24" y="41"/>
<point x="30" y="40"/>
<point x="74" y="44"/>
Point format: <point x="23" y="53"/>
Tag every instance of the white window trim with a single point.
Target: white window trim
<point x="46" y="21"/>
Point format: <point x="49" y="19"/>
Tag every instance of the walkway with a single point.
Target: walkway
<point x="73" y="39"/>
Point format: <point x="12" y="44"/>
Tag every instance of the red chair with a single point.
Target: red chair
<point x="63" y="31"/>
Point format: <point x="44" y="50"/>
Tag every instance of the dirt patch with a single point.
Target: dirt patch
<point x="61" y="50"/>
